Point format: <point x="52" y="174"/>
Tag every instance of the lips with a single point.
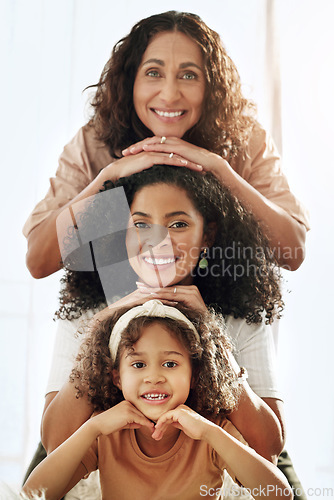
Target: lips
<point x="154" y="396"/>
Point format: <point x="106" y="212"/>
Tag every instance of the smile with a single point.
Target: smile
<point x="159" y="262"/>
<point x="168" y="114"/>
<point x="155" y="397"/>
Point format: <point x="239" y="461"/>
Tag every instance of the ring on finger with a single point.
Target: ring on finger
<point x="171" y="155"/>
<point x="163" y="140"/>
<point x="175" y="290"/>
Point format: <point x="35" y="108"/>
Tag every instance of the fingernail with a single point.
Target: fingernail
<point x="132" y="150"/>
<point x="125" y="151"/>
<point x="199" y="167"/>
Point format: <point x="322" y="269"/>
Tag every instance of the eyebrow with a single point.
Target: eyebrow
<point x="183" y="65"/>
<point x="170" y="214"/>
<point x="140" y="354"/>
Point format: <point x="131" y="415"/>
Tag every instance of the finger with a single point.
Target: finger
<point x="141" y="420"/>
<point x="138" y="146"/>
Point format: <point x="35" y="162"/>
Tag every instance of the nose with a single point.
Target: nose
<point x="161" y="242"/>
<point x="156" y="237"/>
<point x="170" y="91"/>
<point x="154" y="376"/>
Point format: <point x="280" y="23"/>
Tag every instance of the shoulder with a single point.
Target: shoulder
<point x="86" y="148"/>
<point x="240" y="331"/>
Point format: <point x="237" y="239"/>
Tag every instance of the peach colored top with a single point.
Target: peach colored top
<point x="84" y="157"/>
<point x="188" y="470"/>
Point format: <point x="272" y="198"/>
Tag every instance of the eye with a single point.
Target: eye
<point x="189" y="76"/>
<point x="153" y="73"/>
<point x="178" y="225"/>
<point x="141" y="225"/>
<point x="170" y="364"/>
<point x="138" y="364"/>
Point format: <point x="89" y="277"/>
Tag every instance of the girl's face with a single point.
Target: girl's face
<point x="169" y="87"/>
<point x="156" y="375"/>
<point x="165" y="236"/>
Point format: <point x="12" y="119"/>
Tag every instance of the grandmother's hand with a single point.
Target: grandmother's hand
<point x="143" y="160"/>
<point x="208" y="161"/>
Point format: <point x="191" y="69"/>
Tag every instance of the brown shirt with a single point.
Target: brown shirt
<point x="84" y="157"/>
<point x="188" y="470"/>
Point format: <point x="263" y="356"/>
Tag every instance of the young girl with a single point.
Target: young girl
<point x="160" y="382"/>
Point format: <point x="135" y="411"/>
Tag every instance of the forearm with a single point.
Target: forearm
<point x="286" y="235"/>
<point x="60" y="470"/>
<point x="251" y="470"/>
<point x="43" y="255"/>
<point x="259" y="425"/>
<point x="63" y="416"/>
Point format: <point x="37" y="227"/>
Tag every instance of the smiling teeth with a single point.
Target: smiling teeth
<point x="170" y="114"/>
<point x="159" y="262"/>
<point x="155" y="396"/>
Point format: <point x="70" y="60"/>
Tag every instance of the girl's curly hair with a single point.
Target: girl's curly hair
<point x="215" y="388"/>
<point x="242" y="279"/>
<point x="225" y="125"/>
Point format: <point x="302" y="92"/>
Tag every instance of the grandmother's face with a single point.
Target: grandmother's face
<point x="169" y="87"/>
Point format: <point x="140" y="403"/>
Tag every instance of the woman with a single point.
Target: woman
<point x="170" y="94"/>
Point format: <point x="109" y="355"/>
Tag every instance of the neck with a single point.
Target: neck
<point x="152" y="448"/>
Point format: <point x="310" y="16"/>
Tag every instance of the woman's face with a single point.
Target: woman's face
<point x="165" y="236"/>
<point x="169" y="87"/>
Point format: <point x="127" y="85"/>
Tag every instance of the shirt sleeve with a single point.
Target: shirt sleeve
<point x="233" y="431"/>
<point x="261" y="168"/>
<point x="65" y="350"/>
<point x="254" y="349"/>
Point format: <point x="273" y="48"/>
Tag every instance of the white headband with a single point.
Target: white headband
<point x="152" y="308"/>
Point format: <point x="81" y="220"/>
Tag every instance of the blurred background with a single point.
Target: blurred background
<point x="50" y="51"/>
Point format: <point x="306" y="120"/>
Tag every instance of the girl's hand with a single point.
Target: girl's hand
<point x="187" y="295"/>
<point x="122" y="416"/>
<point x="143" y="160"/>
<point x="210" y="162"/>
<point x="184" y="418"/>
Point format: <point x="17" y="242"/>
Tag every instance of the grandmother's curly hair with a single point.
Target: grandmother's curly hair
<point x="242" y="278"/>
<point x="215" y="389"/>
<point x="225" y="126"/>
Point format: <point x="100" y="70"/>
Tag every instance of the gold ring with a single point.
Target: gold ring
<point x="175" y="290"/>
<point x="163" y="140"/>
<point x="171" y="155"/>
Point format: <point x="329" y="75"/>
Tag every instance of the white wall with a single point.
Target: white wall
<point x="51" y="50"/>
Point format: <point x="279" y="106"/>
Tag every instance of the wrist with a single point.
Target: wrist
<point x="92" y="428"/>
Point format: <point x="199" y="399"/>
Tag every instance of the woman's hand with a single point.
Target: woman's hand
<point x="188" y="295"/>
<point x="121" y="416"/>
<point x="142" y="160"/>
<point x="184" y="418"/>
<point x="209" y="162"/>
<point x="135" y="298"/>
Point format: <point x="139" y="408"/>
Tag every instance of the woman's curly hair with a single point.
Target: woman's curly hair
<point x="242" y="278"/>
<point x="215" y="389"/>
<point x="225" y="125"/>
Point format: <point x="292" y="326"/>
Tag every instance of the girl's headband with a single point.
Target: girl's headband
<point x="151" y="308"/>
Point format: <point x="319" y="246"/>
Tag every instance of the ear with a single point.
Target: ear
<point x="209" y="235"/>
<point x="116" y="379"/>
